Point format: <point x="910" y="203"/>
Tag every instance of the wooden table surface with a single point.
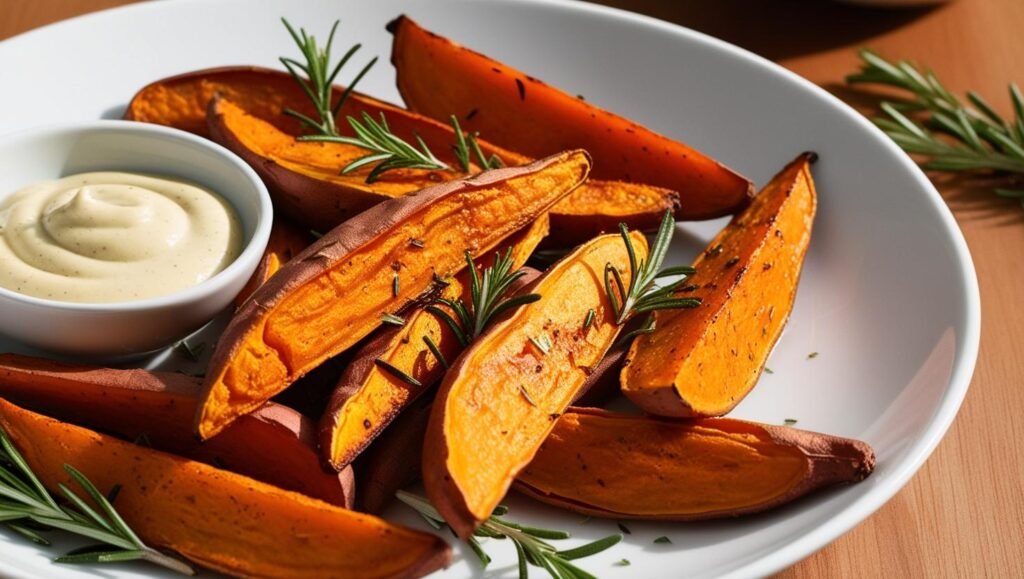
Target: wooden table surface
<point x="962" y="515"/>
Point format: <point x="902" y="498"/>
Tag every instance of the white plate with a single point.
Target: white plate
<point x="889" y="297"/>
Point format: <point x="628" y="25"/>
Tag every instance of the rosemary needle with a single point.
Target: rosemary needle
<point x="952" y="136"/>
<point x="24" y="499"/>
<point x="530" y="543"/>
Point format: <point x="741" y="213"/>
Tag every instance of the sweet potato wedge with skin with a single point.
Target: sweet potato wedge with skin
<point x="286" y="241"/>
<point x="600" y="206"/>
<point x="501" y="398"/>
<point x="304" y="177"/>
<point x="274" y="444"/>
<point x="638" y="467"/>
<point x="702" y="362"/>
<point x="219" y="519"/>
<point x="393" y="461"/>
<point x="517" y="111"/>
<point x="333" y="294"/>
<point x="182" y="102"/>
<point x="368" y="397"/>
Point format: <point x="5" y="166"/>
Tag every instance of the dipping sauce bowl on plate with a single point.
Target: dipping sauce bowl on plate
<point x="119" y="238"/>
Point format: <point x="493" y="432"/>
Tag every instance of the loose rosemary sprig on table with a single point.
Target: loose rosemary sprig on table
<point x="25" y="503"/>
<point x="387" y="151"/>
<point x="952" y="135"/>
<point x="530" y="543"/>
<point x="643" y="295"/>
<point x="488" y="298"/>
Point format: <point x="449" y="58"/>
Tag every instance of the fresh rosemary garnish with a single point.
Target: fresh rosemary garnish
<point x="397" y="373"/>
<point x="26" y="504"/>
<point x="622" y="563"/>
<point x="530" y="543"/>
<point x="789" y="421"/>
<point x="624" y="528"/>
<point x="526" y="395"/>
<point x="487" y="297"/>
<point x="392" y="319"/>
<point x="387" y="151"/>
<point x="589" y="319"/>
<point x="435" y="351"/>
<point x="812" y="355"/>
<point x="319" y="78"/>
<point x="663" y="540"/>
<point x="542" y="343"/>
<point x="979" y="139"/>
<point x="642" y="295"/>
<point x="396" y="285"/>
<point x="465" y="144"/>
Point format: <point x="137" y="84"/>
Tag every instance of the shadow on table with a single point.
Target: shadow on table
<point x="777" y="29"/>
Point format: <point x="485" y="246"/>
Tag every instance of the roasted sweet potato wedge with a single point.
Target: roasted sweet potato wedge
<point x="370" y="393"/>
<point x="335" y="293"/>
<point x="393" y="461"/>
<point x="501" y="398"/>
<point x="274" y="444"/>
<point x="702" y="362"/>
<point x="637" y="467"/>
<point x="219" y="519"/>
<point x="304" y="177"/>
<point x="600" y="206"/>
<point x="286" y="241"/>
<point x="263" y="94"/>
<point x="517" y="111"/>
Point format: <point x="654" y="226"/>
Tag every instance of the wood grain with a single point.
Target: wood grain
<point x="963" y="514"/>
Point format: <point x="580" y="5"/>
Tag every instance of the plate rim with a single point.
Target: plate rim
<point x="966" y="349"/>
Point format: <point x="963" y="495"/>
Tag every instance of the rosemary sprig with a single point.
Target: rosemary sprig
<point x="531" y="544"/>
<point x="487" y="296"/>
<point x="643" y="295"/>
<point x="25" y="503"/>
<point x="319" y="78"/>
<point x="387" y="151"/>
<point x="953" y="136"/>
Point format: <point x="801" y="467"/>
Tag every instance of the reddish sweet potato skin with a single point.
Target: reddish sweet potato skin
<point x="274" y="444"/>
<point x="183" y="101"/>
<point x="644" y="442"/>
<point x="218" y="519"/>
<point x="518" y="111"/>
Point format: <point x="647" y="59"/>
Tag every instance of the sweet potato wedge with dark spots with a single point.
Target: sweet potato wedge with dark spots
<point x="370" y="394"/>
<point x="519" y="112"/>
<point x="286" y="241"/>
<point x="702" y="362"/>
<point x="182" y="102"/>
<point x="219" y="519"/>
<point x="638" y="467"/>
<point x="274" y="444"/>
<point x="502" y="397"/>
<point x="335" y="293"/>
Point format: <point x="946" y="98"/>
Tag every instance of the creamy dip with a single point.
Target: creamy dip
<point x="111" y="237"/>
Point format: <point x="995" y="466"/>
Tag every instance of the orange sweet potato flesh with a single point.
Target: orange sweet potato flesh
<point x="500" y="400"/>
<point x="522" y="113"/>
<point x="638" y="467"/>
<point x="220" y="519"/>
<point x="304" y="177"/>
<point x="368" y="397"/>
<point x="702" y="362"/>
<point x="334" y="293"/>
<point x="274" y="444"/>
<point x="262" y="93"/>
<point x="286" y="241"/>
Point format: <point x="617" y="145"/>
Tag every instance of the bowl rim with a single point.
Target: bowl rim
<point x="251" y="251"/>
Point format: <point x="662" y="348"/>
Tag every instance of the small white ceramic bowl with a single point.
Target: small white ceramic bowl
<point x="124" y="329"/>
